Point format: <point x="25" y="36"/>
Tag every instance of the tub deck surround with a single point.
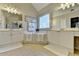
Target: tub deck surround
<point x="57" y="49"/>
<point x="10" y="39"/>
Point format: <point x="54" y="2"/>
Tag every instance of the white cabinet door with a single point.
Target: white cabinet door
<point x="17" y="36"/>
<point x="53" y="37"/>
<point x="5" y="37"/>
<point x="66" y="39"/>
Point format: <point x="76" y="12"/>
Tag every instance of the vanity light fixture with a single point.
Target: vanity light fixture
<point x="67" y="5"/>
<point x="11" y="10"/>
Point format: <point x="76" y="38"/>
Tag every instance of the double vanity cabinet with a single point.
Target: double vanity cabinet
<point x="10" y="39"/>
<point x="63" y="42"/>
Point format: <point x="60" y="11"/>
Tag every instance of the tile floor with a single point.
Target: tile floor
<point x="29" y="50"/>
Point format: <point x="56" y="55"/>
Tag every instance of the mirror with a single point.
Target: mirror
<point x="13" y="21"/>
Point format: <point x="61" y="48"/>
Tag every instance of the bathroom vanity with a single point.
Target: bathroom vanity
<point x="10" y="39"/>
<point x="61" y="42"/>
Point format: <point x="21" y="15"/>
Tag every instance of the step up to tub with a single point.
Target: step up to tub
<point x="57" y="49"/>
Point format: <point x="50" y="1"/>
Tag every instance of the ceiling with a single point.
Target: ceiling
<point x="39" y="6"/>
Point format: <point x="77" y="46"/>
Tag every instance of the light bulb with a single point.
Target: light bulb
<point x="15" y="11"/>
<point x="73" y="4"/>
<point x="68" y="5"/>
<point x="63" y="6"/>
<point x="8" y="9"/>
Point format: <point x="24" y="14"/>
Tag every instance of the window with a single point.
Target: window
<point x="44" y="22"/>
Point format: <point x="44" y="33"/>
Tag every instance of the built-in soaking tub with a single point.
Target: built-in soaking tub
<point x="36" y="37"/>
